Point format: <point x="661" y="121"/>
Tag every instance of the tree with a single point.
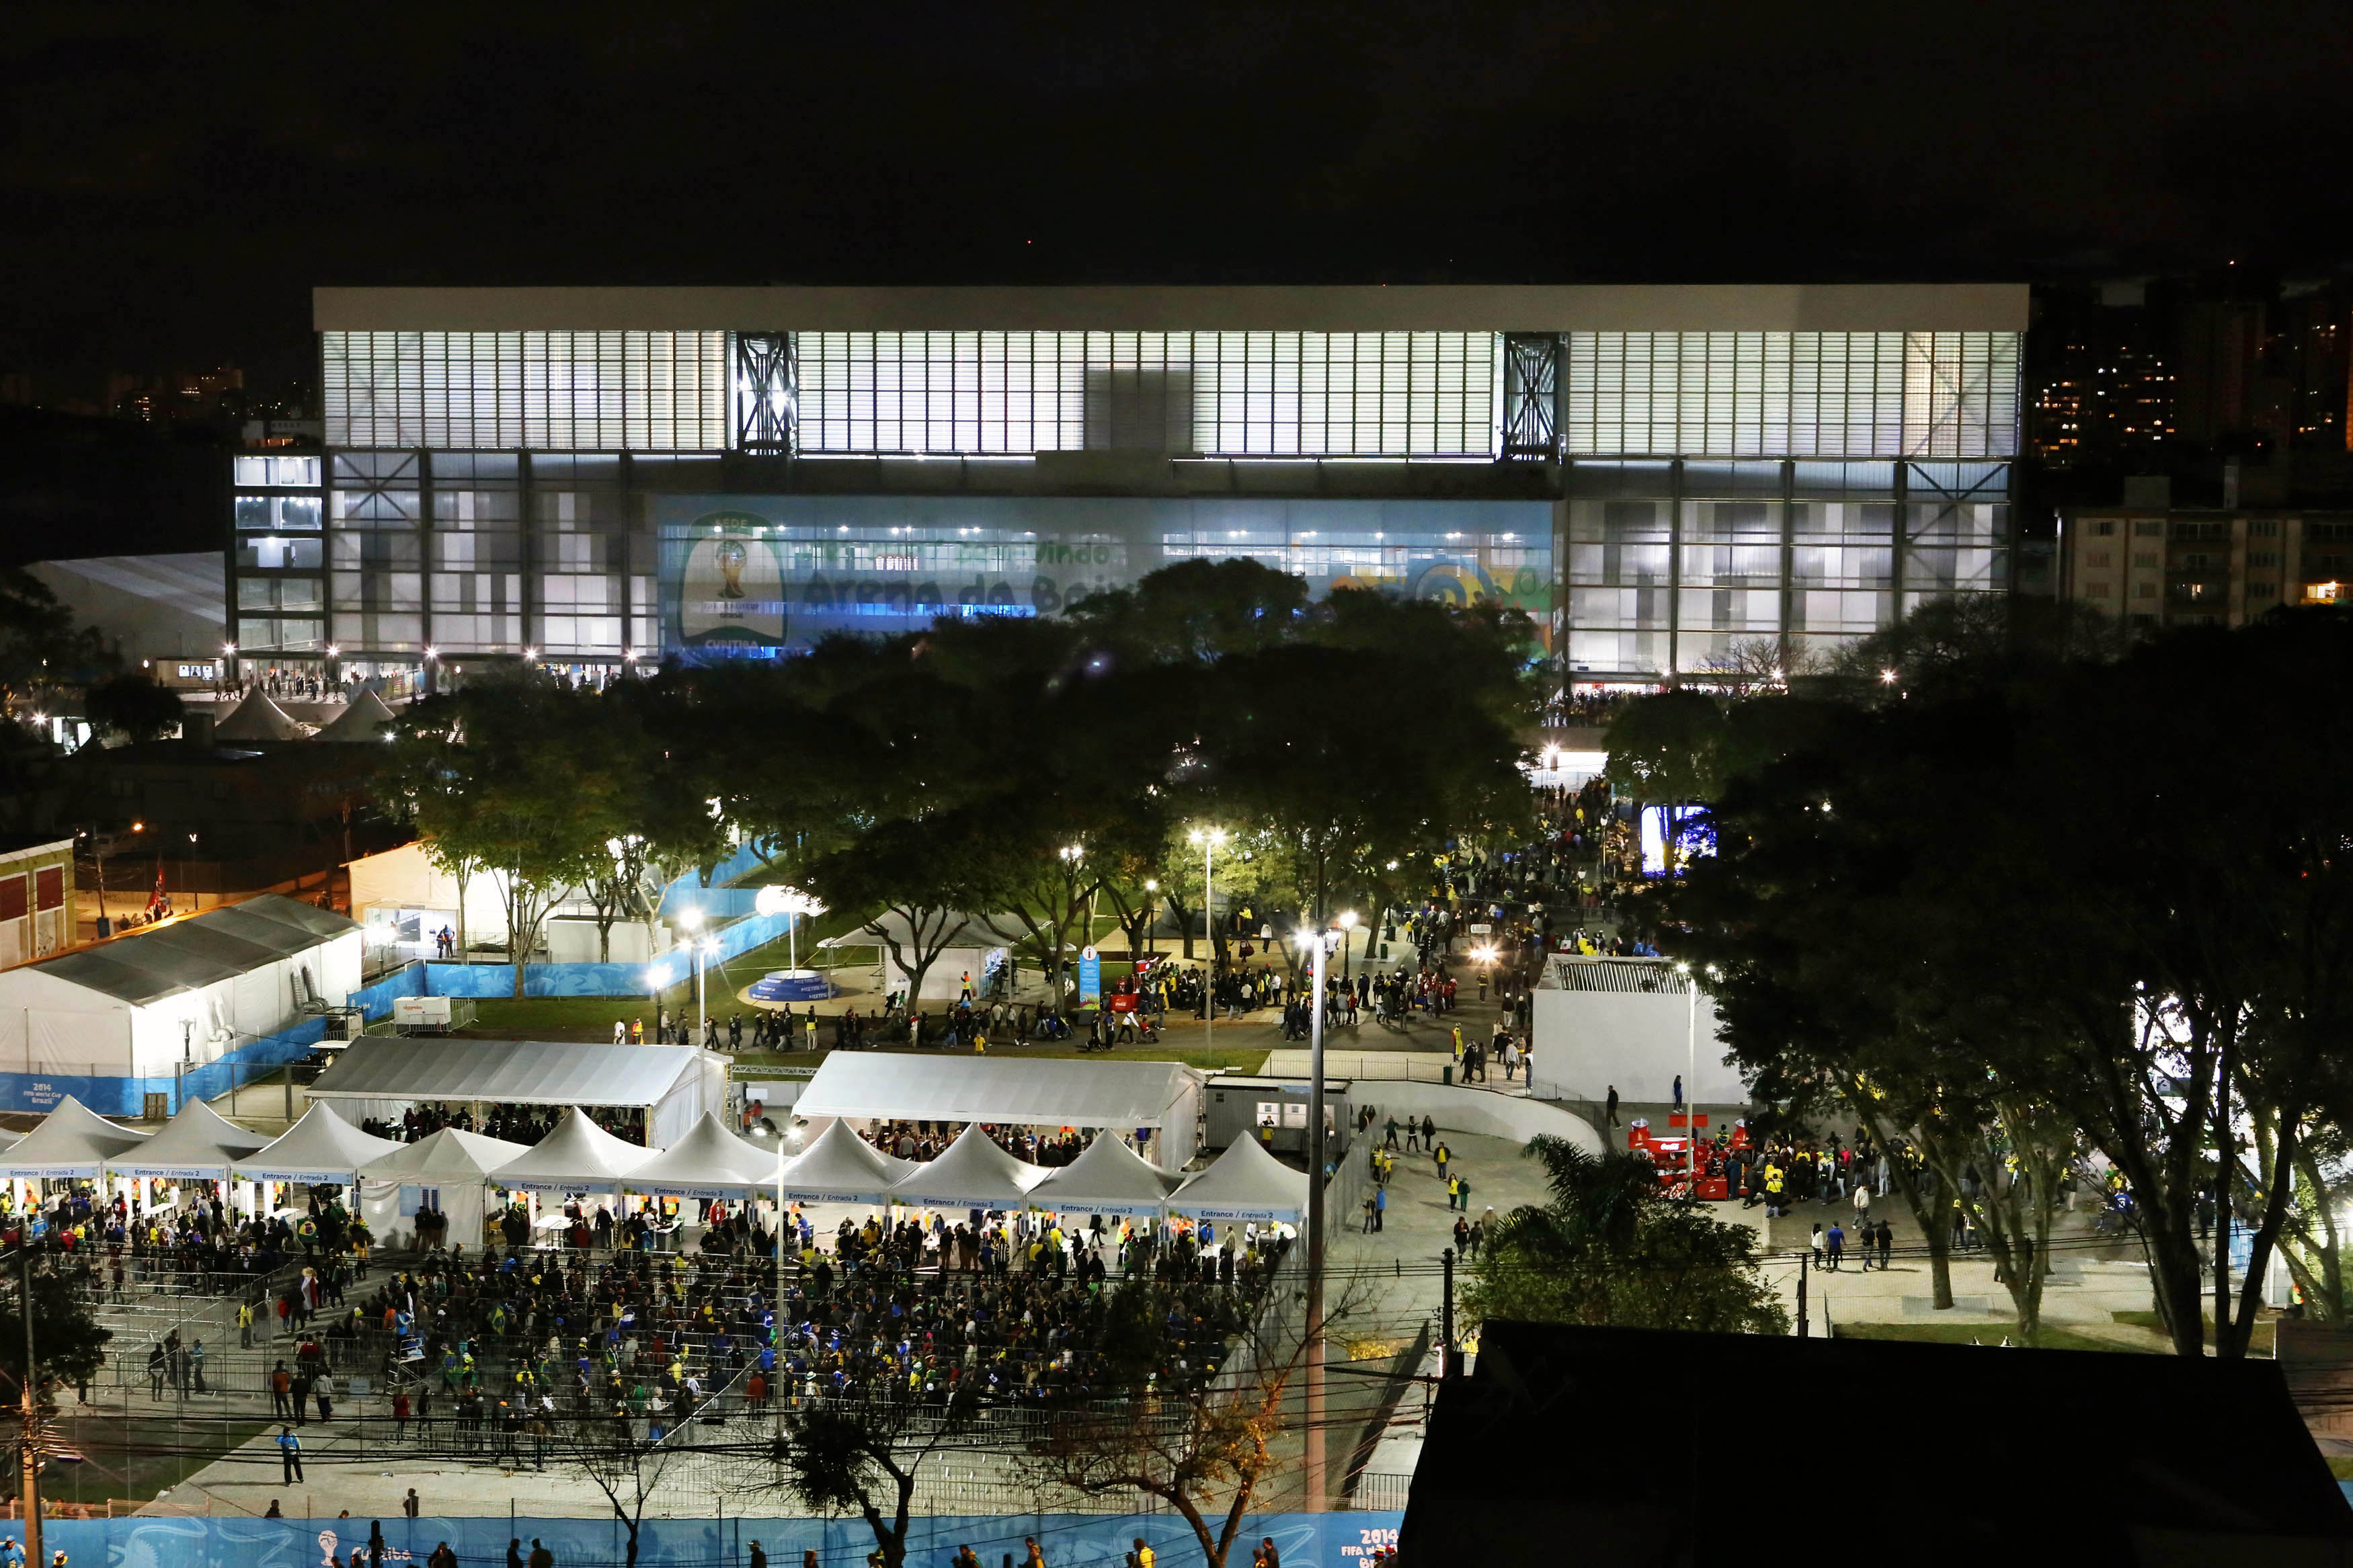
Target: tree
<point x="133" y="706"/>
<point x="2147" y="943"/>
<point x="1273" y="749"/>
<point x="42" y="652"/>
<point x="1206" y="1446"/>
<point x="658" y="819"/>
<point x="929" y="872"/>
<point x="500" y="777"/>
<point x="1608" y="1249"/>
<point x="69" y="1344"/>
<point x="625" y="1466"/>
<point x="865" y="1451"/>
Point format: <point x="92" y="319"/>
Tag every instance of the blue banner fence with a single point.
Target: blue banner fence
<point x="1069" y="1540"/>
<point x="444" y="979"/>
<point x="117" y="1094"/>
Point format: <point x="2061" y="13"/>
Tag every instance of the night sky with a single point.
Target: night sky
<point x="173" y="178"/>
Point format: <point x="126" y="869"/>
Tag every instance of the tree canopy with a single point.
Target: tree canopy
<point x="2104" y="898"/>
<point x="1610" y="1249"/>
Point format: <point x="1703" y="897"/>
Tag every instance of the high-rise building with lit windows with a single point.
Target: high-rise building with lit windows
<point x="594" y="478"/>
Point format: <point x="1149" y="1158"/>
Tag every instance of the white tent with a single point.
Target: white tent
<point x="71" y="1140"/>
<point x="322" y="1149"/>
<point x="362" y="719"/>
<point x="199" y="1144"/>
<point x="1032" y="1092"/>
<point x="972" y="1173"/>
<point x="1108" y="1177"/>
<point x="578" y="1156"/>
<point x="452" y="1164"/>
<point x="674" y="1085"/>
<point x="709" y="1163"/>
<point x="134" y="1012"/>
<point x="1244" y="1183"/>
<point x="840" y="1167"/>
<point x="259" y="718"/>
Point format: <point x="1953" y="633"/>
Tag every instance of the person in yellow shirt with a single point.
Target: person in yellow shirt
<point x="1144" y="1557"/>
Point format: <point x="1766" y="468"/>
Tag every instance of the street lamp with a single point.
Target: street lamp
<point x="1691" y="1082"/>
<point x="1209" y="838"/>
<point x="1150" y="885"/>
<point x="1318" y="945"/>
<point x="798" y="906"/>
<point x="692" y="918"/>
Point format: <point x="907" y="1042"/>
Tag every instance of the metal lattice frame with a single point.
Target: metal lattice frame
<point x="1531" y="396"/>
<point x="766" y="389"/>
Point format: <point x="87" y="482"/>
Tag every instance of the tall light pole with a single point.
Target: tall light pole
<point x="692" y="918"/>
<point x="1209" y="838"/>
<point x="29" y="1484"/>
<point x="1151" y="886"/>
<point x="1691" y="1083"/>
<point x="1319" y="943"/>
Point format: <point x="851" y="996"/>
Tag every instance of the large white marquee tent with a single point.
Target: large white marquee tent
<point x="1001" y="1091"/>
<point x="130" y="1014"/>
<point x="674" y="1085"/>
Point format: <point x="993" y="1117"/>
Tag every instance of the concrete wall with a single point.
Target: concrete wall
<point x="1586" y="1041"/>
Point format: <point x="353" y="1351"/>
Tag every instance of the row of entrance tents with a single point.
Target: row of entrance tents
<point x="1245" y="1182"/>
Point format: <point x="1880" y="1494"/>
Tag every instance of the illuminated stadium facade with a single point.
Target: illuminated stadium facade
<point x="597" y="477"/>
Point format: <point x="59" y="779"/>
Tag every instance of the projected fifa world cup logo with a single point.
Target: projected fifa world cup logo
<point x="731" y="557"/>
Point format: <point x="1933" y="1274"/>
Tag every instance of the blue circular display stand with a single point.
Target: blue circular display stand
<point x="792" y="986"/>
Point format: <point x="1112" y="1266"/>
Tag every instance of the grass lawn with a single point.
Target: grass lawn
<point x="2262" y="1341"/>
<point x="2054" y="1339"/>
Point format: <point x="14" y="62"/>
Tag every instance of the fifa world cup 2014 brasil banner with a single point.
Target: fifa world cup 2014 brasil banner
<point x="1068" y="1540"/>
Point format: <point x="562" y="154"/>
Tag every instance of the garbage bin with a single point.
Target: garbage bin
<point x="1446" y="1073"/>
<point x="1384" y="950"/>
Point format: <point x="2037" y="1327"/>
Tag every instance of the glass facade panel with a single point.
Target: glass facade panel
<point x="277" y="514"/>
<point x="276" y="473"/>
<point x="1859" y="394"/>
<point x="1388" y="394"/>
<point x="269" y="553"/>
<point x="556" y="390"/>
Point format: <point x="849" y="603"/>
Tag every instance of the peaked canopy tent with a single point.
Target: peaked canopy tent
<point x="199" y="1144"/>
<point x="364" y="718"/>
<point x="320" y="1150"/>
<point x="1165" y="1096"/>
<point x="181" y="1009"/>
<point x="453" y="1166"/>
<point x="71" y="1140"/>
<point x="674" y="1085"/>
<point x="709" y="1162"/>
<point x="1245" y="1182"/>
<point x="1108" y="1177"/>
<point x="840" y="1167"/>
<point x="578" y="1156"/>
<point x="973" y="1173"/>
<point x="259" y="718"/>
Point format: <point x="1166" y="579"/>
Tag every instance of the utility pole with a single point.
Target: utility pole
<point x="29" y="1483"/>
<point x="1315" y="1477"/>
<point x="1803" y="1258"/>
<point x="1446" y="1318"/>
